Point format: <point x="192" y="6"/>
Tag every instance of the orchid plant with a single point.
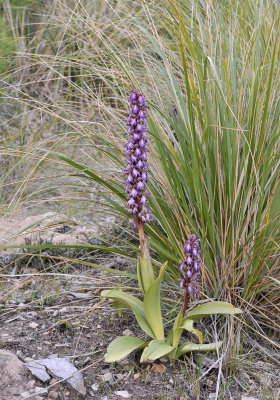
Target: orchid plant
<point x="148" y="312"/>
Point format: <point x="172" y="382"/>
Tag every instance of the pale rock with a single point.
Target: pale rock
<point x="248" y="398"/>
<point x="25" y="395"/>
<point x="53" y="394"/>
<point x="123" y="394"/>
<point x="40" y="390"/>
<point x="33" y="325"/>
<point x="31" y="384"/>
<point x="107" y="377"/>
<point x="60" y="368"/>
<point x="127" y="332"/>
<point x="95" y="387"/>
<point x="120" y="376"/>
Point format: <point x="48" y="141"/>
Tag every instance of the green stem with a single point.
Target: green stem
<point x="140" y="225"/>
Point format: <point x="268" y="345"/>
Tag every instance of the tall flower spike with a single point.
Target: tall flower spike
<point x="190" y="268"/>
<point x="136" y="158"/>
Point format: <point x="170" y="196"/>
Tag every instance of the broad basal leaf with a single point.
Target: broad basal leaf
<point x="155" y="350"/>
<point x="132" y="302"/>
<point x="188" y="347"/>
<point x="152" y="305"/>
<point x="121" y="347"/>
<point x="214" y="307"/>
<point x="188" y="326"/>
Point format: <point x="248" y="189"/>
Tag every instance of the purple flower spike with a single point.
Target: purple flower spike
<point x="136" y="149"/>
<point x="190" y="267"/>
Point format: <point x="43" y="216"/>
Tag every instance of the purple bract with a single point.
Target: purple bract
<point x="190" y="268"/>
<point x="136" y="157"/>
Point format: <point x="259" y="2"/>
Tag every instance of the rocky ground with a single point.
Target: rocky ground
<point x="51" y="311"/>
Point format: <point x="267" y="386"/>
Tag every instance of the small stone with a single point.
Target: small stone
<point x="123" y="394"/>
<point x="53" y="394"/>
<point x="31" y="384"/>
<point x="136" y="376"/>
<point x="33" y="314"/>
<point x="41" y="390"/>
<point x="33" y="325"/>
<point x="212" y="395"/>
<point x="25" y="395"/>
<point x="28" y="359"/>
<point x="120" y="376"/>
<point x="95" y="387"/>
<point x="127" y="332"/>
<point x="53" y="381"/>
<point x="248" y="398"/>
<point x="67" y="394"/>
<point x="107" y="377"/>
<point x="55" y="314"/>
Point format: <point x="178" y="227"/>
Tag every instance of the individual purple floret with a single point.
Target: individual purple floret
<point x="190" y="268"/>
<point x="136" y="157"/>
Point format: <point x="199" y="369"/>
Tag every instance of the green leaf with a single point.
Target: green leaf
<point x="188" y="326"/>
<point x="213" y="307"/>
<point x="132" y="302"/>
<point x="145" y="272"/>
<point x="155" y="350"/>
<point x="188" y="347"/>
<point x="152" y="305"/>
<point x="118" y="306"/>
<point x="121" y="347"/>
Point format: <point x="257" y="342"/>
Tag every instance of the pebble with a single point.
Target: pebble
<point x="53" y="394"/>
<point x="107" y="377"/>
<point x="31" y="384"/>
<point x="33" y="314"/>
<point x="120" y="376"/>
<point x="55" y="314"/>
<point x="25" y="395"/>
<point x="123" y="394"/>
<point x="248" y="398"/>
<point x="33" y="325"/>
<point x="127" y="332"/>
<point x="95" y="387"/>
<point x="40" y="390"/>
